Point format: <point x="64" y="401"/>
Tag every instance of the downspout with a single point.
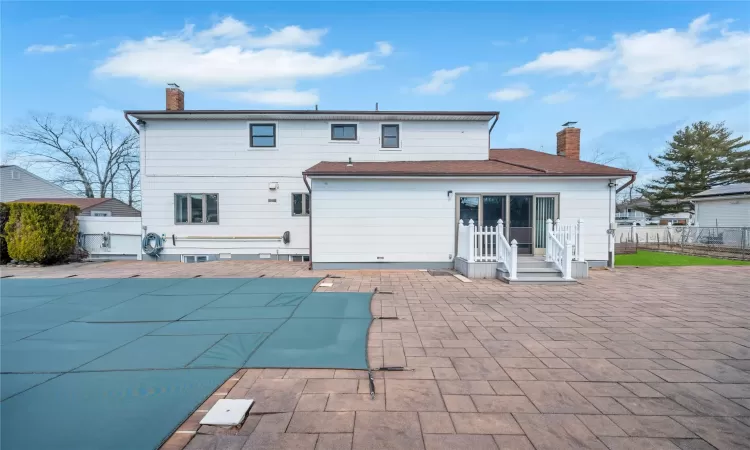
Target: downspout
<point x="309" y="217"/>
<point x="632" y="180"/>
<point x="489" y="135"/>
<point x="131" y="124"/>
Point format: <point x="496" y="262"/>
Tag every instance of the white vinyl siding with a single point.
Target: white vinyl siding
<point x="392" y="220"/>
<point x="17" y="183"/>
<point x="727" y="212"/>
<point x="214" y="156"/>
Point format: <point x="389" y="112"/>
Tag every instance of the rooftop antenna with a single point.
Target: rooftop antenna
<point x="569" y="124"/>
<point x="174" y="85"/>
<point x="376" y="106"/>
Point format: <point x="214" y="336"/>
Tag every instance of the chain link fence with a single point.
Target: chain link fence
<point x="719" y="242"/>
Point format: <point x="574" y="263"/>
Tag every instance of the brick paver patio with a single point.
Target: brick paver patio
<point x="655" y="358"/>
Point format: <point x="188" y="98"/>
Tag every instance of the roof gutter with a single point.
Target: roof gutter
<point x="131" y="123"/>
<point x="632" y="180"/>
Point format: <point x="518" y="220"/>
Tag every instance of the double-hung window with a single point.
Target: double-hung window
<point x="300" y="204"/>
<point x="194" y="209"/>
<point x="390" y="136"/>
<point x="263" y="135"/>
<point x="344" y="132"/>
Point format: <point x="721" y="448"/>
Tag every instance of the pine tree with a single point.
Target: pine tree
<point x="699" y="157"/>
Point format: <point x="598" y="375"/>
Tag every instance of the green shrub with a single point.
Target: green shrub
<point x="4" y="258"/>
<point x="45" y="233"/>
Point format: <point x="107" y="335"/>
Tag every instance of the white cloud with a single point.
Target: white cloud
<point x="706" y="59"/>
<point x="441" y="81"/>
<point x="510" y="94"/>
<point x="566" y="61"/>
<point x="229" y="54"/>
<point x="589" y="38"/>
<point x="104" y="114"/>
<point x="40" y="48"/>
<point x="384" y="48"/>
<point x="283" y="97"/>
<point x="558" y="97"/>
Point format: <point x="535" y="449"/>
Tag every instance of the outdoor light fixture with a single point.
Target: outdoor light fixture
<point x="450" y="193"/>
<point x="273" y="185"/>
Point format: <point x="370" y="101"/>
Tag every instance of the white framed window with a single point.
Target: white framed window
<point x="263" y="135"/>
<point x="101" y="213"/>
<point x="300" y="204"/>
<point x="390" y="136"/>
<point x="196" y="209"/>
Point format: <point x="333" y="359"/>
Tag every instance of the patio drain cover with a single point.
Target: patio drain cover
<point x="118" y="364"/>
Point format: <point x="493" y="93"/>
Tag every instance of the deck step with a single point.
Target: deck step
<point x="537" y="280"/>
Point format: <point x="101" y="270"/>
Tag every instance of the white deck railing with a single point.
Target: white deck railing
<point x="572" y="233"/>
<point x="560" y="248"/>
<point x="487" y="244"/>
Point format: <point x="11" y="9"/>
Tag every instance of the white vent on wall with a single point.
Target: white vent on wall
<point x="15" y="175"/>
<point x="194" y="258"/>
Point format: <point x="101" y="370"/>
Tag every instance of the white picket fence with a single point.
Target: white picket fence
<point x="559" y="249"/>
<point x="487" y="244"/>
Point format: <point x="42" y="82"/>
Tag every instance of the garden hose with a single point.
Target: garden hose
<point x="155" y="249"/>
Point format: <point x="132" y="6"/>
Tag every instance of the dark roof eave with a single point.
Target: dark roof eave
<point x="464" y="174"/>
<point x="311" y="112"/>
<point x="701" y="197"/>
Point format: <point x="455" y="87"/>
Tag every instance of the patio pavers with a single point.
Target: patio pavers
<point x="637" y="358"/>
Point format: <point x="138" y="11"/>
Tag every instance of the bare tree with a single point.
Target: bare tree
<point x="599" y="156"/>
<point x="88" y="157"/>
<point x="131" y="175"/>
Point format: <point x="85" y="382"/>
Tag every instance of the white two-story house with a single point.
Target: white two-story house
<point x="353" y="189"/>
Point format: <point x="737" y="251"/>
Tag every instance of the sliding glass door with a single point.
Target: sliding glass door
<point x="524" y="216"/>
<point x="520" y="224"/>
<point x="544" y="209"/>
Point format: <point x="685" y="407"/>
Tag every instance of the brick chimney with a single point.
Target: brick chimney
<point x="175" y="98"/>
<point x="569" y="141"/>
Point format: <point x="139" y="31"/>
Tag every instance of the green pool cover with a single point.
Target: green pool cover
<point x="120" y="363"/>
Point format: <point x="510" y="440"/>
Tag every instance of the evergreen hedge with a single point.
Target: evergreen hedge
<point x="44" y="233"/>
<point x="4" y="211"/>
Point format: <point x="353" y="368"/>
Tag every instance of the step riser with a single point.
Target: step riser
<point x="536" y="264"/>
<point x="521" y="275"/>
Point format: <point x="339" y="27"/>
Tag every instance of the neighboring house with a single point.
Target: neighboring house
<point x="96" y="207"/>
<point x="16" y="183"/>
<point x="631" y="213"/>
<point x="356" y="188"/>
<point x="723" y="206"/>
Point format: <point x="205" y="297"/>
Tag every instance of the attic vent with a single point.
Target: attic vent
<point x="15" y="175"/>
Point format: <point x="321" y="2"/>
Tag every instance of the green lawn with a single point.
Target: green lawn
<point x="646" y="258"/>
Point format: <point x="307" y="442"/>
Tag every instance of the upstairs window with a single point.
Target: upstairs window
<point x="263" y="135"/>
<point x="300" y="204"/>
<point x="193" y="209"/>
<point x="390" y="136"/>
<point x="344" y="132"/>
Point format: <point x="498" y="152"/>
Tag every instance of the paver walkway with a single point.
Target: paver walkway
<point x="654" y="358"/>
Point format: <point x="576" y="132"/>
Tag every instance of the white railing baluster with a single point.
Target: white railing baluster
<point x="579" y="241"/>
<point x="472" y="245"/>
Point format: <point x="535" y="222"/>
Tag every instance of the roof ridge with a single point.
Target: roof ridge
<point x="518" y="165"/>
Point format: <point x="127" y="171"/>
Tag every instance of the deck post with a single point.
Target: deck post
<point x="579" y="242"/>
<point x="547" y="255"/>
<point x="568" y="260"/>
<point x="498" y="237"/>
<point x="513" y="266"/>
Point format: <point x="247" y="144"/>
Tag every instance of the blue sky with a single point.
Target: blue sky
<point x="629" y="72"/>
